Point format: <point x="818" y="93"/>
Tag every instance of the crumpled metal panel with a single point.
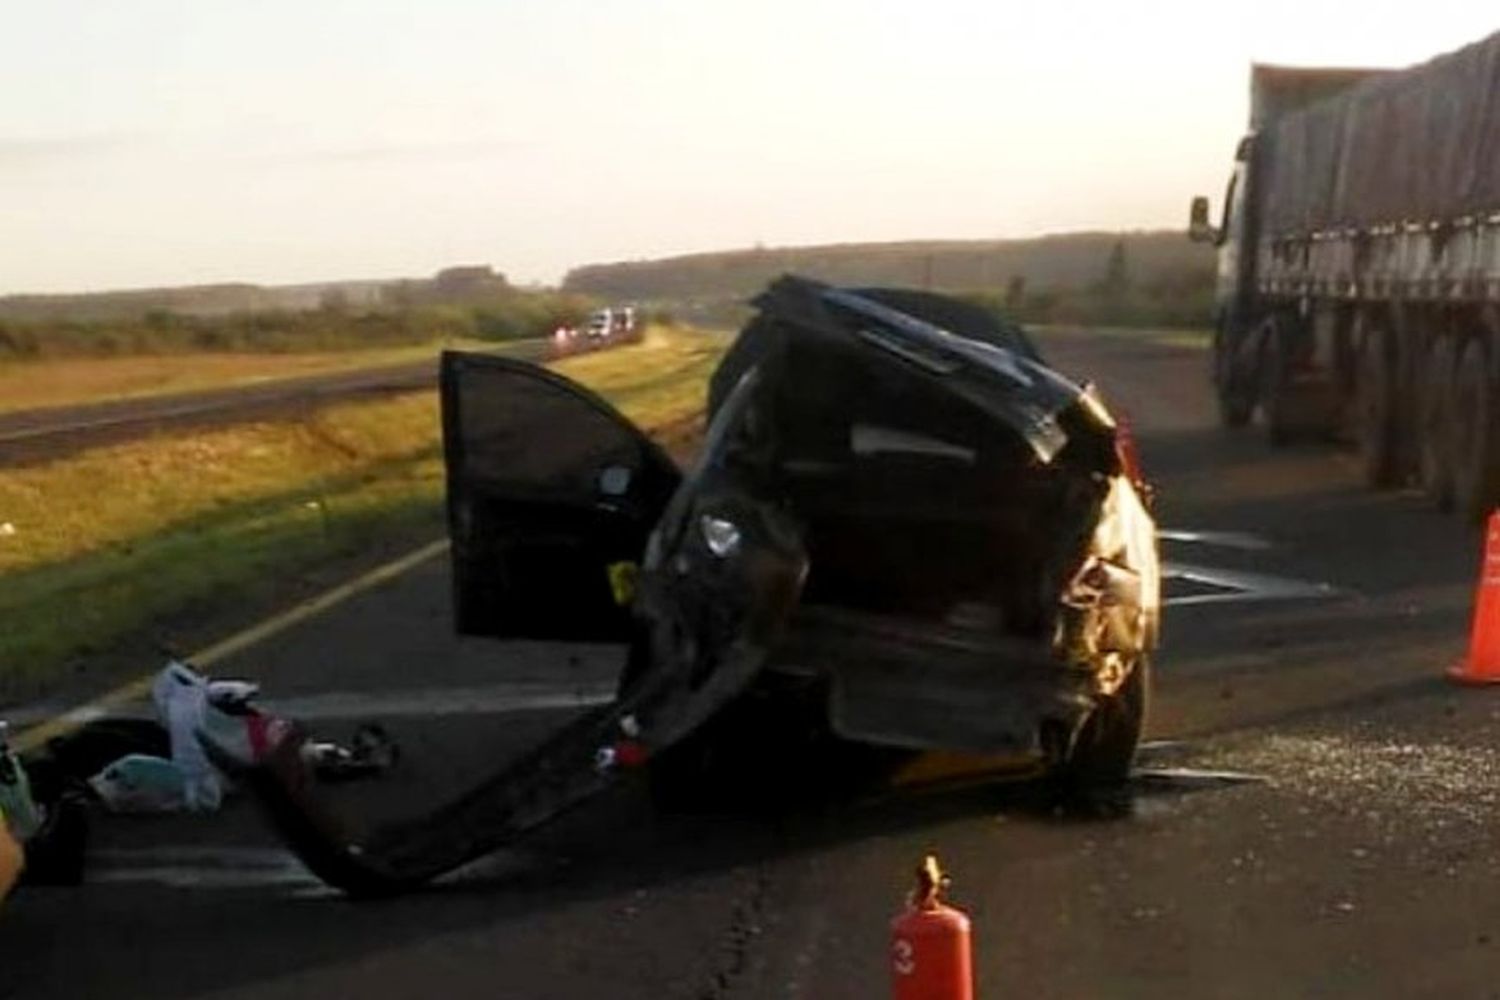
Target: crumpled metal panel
<point x="999" y="373"/>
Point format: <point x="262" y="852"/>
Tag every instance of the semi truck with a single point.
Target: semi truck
<point x="1358" y="284"/>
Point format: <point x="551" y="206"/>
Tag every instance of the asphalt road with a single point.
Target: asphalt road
<point x="46" y="433"/>
<point x="1308" y="631"/>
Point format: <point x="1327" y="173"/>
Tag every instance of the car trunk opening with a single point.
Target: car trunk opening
<point x="915" y="501"/>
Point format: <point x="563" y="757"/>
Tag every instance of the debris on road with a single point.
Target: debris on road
<point x="371" y="752"/>
<point x="139" y="783"/>
<point x="1446" y="782"/>
<point x="52" y="831"/>
<point x="17" y="804"/>
<point x="183" y="698"/>
<point x="151" y="766"/>
<point x="160" y="766"/>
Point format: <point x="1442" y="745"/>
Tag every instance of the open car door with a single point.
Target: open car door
<point x="551" y="496"/>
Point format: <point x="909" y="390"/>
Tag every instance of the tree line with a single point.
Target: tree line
<point x="409" y="317"/>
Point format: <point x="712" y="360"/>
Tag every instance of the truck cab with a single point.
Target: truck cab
<point x="1241" y="313"/>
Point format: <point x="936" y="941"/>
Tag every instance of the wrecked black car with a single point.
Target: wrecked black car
<point x="902" y="526"/>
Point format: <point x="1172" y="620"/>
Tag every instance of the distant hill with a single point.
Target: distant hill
<point x="1041" y="266"/>
<point x="187" y="300"/>
<point x="454" y="285"/>
<point x="466" y="302"/>
<point x="1061" y="262"/>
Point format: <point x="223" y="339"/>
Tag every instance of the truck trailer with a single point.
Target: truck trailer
<point x="1358" y="290"/>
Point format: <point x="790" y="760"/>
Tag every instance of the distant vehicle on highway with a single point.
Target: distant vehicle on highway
<point x="1359" y="269"/>
<point x="614" y="323"/>
<point x="624" y="324"/>
<point x="601" y="324"/>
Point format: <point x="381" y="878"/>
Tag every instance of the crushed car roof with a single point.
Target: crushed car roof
<point x="984" y="359"/>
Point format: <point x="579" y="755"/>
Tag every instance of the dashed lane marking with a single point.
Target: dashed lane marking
<point x="1238" y="585"/>
<point x="1223" y="539"/>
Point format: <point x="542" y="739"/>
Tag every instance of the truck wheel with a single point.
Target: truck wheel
<point x="1375" y="409"/>
<point x="1276" y="406"/>
<point x="1104" y="749"/>
<point x="1235" y="404"/>
<point x="1476" y="439"/>
<point x="1437" y="444"/>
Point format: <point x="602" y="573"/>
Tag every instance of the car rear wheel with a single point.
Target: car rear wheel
<point x="1102" y="754"/>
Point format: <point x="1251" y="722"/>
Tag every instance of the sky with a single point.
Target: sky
<point x="161" y="142"/>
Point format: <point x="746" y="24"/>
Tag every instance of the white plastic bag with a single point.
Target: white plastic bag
<point x="140" y="783"/>
<point x="181" y="698"/>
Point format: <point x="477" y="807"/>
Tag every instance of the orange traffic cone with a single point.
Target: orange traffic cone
<point x="1482" y="665"/>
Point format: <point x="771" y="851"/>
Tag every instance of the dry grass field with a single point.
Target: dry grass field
<point x="27" y="384"/>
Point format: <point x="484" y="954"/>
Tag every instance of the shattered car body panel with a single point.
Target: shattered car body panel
<point x="981" y="570"/>
<point x="899" y="514"/>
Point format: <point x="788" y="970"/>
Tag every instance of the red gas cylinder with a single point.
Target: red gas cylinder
<point x="930" y="952"/>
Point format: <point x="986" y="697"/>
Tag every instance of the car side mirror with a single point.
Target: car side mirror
<point x="1200" y="230"/>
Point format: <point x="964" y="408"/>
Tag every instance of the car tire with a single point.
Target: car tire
<point x="1274" y="391"/>
<point x="1476" y="449"/>
<point x="1236" y="406"/>
<point x="1375" y="409"/>
<point x="1436" y="439"/>
<point x="1104" y="749"/>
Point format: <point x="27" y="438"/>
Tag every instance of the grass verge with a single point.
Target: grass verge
<point x="153" y="535"/>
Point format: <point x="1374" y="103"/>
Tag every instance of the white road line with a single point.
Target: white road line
<point x="1239" y="585"/>
<point x="1234" y="585"/>
<point x="198" y="867"/>
<point x="1224" y="539"/>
